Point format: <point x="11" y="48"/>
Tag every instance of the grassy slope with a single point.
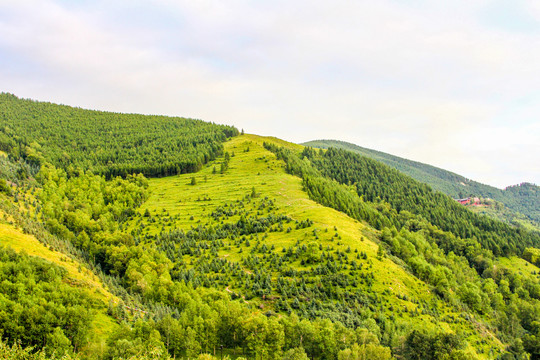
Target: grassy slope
<point x="520" y="266"/>
<point x="78" y="276"/>
<point x="258" y="168"/>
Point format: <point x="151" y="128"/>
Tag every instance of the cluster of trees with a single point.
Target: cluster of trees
<point x="81" y="206"/>
<point x="523" y="198"/>
<point x="395" y="196"/>
<point x="377" y="182"/>
<point x="38" y="308"/>
<point x="532" y="255"/>
<point x="111" y="144"/>
<point x="479" y="284"/>
<point x="211" y="323"/>
<point x="16" y="171"/>
<point x="439" y="179"/>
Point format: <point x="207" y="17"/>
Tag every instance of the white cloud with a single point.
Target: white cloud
<point x="404" y="79"/>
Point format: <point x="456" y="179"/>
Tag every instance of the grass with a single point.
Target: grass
<point x="259" y="169"/>
<point x="102" y="326"/>
<point x="177" y="204"/>
<point x="520" y="266"/>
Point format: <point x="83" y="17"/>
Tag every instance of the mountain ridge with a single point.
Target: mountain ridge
<point x="452" y="184"/>
<point x="268" y="250"/>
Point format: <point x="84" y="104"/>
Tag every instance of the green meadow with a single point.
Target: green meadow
<point x="256" y="184"/>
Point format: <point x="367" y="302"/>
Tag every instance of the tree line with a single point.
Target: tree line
<point x="523" y="198"/>
<point x="111" y="144"/>
<point x="442" y="243"/>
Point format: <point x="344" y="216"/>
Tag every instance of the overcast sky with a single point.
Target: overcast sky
<point x="455" y="84"/>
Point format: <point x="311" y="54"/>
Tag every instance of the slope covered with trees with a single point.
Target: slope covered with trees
<point x="523" y="198"/>
<point x="377" y="182"/>
<point x="269" y="251"/>
<point x="37" y="308"/>
<point x="161" y="314"/>
<point x="107" y="143"/>
<point x="405" y="209"/>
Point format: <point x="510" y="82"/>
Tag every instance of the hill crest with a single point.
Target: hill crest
<point x="523" y="198"/>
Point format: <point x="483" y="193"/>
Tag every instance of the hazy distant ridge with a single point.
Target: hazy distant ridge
<point x="524" y="198"/>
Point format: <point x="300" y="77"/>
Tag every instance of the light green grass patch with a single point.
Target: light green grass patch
<point x="520" y="266"/>
<point x="259" y="169"/>
<point x="176" y="204"/>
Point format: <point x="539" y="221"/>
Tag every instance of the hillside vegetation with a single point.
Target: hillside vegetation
<point x="377" y="182"/>
<point x="14" y="238"/>
<point x="268" y="250"/>
<point x="523" y="198"/>
<point x="107" y="143"/>
<point x="49" y="297"/>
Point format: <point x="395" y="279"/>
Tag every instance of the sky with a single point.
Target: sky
<point x="455" y="84"/>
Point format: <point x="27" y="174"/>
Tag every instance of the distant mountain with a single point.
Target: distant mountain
<point x="523" y="198"/>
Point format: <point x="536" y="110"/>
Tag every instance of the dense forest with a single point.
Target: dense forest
<point x="229" y="257"/>
<point x="374" y="181"/>
<point x="107" y="143"/>
<point x="37" y="308"/>
<point x="523" y="198"/>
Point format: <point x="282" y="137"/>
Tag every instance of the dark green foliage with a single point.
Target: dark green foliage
<point x="4" y="187"/>
<point x="376" y="182"/>
<point x="421" y="345"/>
<point x="523" y="198"/>
<point x="224" y="165"/>
<point x="16" y="170"/>
<point x="111" y="144"/>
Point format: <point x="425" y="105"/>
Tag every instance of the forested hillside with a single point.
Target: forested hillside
<point x="262" y="249"/>
<point x="523" y="198"/>
<point x="107" y="143"/>
<point x="398" y="205"/>
<point x="377" y="182"/>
